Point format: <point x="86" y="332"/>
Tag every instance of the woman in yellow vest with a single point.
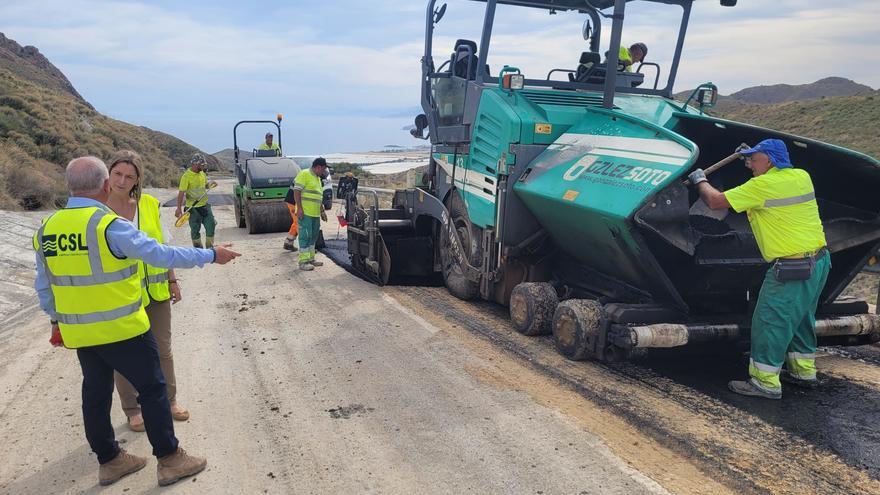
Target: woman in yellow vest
<point x="160" y="287"/>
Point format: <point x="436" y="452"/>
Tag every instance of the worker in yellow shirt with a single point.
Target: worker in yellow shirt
<point x="627" y="57"/>
<point x="307" y="190"/>
<point x="193" y="186"/>
<point x="269" y="145"/>
<point x="781" y="205"/>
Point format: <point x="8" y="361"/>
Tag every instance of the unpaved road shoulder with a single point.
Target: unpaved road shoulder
<point x="308" y="383"/>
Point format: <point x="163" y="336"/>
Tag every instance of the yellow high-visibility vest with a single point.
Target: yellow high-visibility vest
<point x="98" y="298"/>
<point x="311" y="192"/>
<point x="156" y="286"/>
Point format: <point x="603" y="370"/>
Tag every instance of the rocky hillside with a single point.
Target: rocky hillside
<point x="26" y="62"/>
<point x="848" y="121"/>
<point x="227" y="157"/>
<point x="834" y="110"/>
<point x="44" y="122"/>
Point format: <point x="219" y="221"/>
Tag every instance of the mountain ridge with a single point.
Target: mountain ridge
<point x="779" y="93"/>
<point x="28" y="63"/>
<point x="45" y="122"/>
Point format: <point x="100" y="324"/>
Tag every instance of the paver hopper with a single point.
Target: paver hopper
<point x="569" y="188"/>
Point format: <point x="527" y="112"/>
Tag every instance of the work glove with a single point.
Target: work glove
<point x="697" y="176"/>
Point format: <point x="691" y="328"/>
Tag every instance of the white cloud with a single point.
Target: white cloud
<point x="154" y="63"/>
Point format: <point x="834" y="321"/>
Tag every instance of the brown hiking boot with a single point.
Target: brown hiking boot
<point x="172" y="468"/>
<point x="121" y="465"/>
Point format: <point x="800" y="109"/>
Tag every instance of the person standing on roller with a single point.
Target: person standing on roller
<point x="781" y="206"/>
<point x="269" y="145"/>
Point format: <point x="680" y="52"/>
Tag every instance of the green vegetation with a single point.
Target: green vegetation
<point x="341" y="168"/>
<point x="847" y="121"/>
<point x="42" y="128"/>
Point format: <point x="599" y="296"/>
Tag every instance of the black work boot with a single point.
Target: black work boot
<point x="792" y="379"/>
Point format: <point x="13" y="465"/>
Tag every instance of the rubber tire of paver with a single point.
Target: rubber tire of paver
<point x="576" y="327"/>
<point x="532" y="306"/>
<point x="469" y="237"/>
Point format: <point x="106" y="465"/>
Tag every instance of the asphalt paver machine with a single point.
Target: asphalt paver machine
<point x="562" y="196"/>
<point x="263" y="181"/>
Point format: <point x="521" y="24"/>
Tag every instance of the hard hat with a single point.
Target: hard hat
<point x="197" y="159"/>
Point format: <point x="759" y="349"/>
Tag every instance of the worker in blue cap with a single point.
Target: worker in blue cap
<point x="781" y="206"/>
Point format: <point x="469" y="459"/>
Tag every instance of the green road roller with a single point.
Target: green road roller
<point x="263" y="181"/>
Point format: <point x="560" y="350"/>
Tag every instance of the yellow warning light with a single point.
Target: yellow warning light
<point x="279" y="117"/>
<point x="570" y="195"/>
<point x="872" y="261"/>
<point x="543" y="128"/>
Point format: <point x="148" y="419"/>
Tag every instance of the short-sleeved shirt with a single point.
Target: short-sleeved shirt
<point x="311" y="192"/>
<point x="624" y="55"/>
<point x="274" y="146"/>
<point x="194" y="184"/>
<point x="782" y="210"/>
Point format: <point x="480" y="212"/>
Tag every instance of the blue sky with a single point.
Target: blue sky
<point x="345" y="73"/>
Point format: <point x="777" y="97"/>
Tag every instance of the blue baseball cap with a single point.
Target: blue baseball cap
<point x="775" y="149"/>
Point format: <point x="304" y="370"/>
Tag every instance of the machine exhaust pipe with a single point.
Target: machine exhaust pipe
<point x="662" y="335"/>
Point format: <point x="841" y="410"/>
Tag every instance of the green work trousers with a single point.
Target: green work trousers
<point x="784" y="327"/>
<point x="202" y="215"/>
<point x="309" y="227"/>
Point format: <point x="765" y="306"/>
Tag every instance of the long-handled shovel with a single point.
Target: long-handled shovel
<point x="723" y="162"/>
<point x="181" y="221"/>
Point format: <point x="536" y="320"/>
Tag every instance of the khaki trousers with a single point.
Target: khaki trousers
<point x="160" y="323"/>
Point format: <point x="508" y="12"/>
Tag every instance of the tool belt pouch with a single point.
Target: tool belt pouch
<point x="792" y="270"/>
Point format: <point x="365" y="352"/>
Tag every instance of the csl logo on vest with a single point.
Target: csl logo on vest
<point x="65" y="243"/>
